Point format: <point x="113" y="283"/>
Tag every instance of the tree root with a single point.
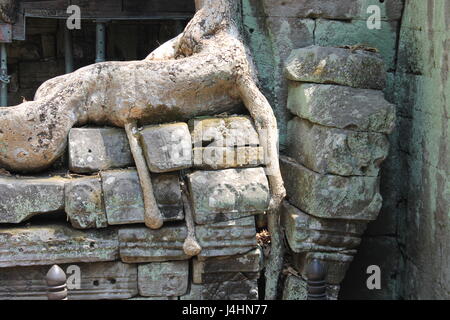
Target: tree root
<point x="274" y="263"/>
<point x="152" y="217"/>
<point x="191" y="246"/>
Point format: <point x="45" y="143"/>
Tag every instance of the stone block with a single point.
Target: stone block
<point x="232" y="268"/>
<point x="342" y="107"/>
<point x="236" y="131"/>
<point x="56" y="244"/>
<point x="22" y="199"/>
<point x="97" y="149"/>
<point x="228" y="194"/>
<point x="217" y="158"/>
<point x="230" y="290"/>
<point x="228" y="238"/>
<point x="167" y="147"/>
<point x="329" y="196"/>
<point x="84" y="203"/>
<point x="331" y="33"/>
<point x="308" y="233"/>
<point x="336" y="151"/>
<point x="295" y="288"/>
<point x="124" y="201"/>
<point x="358" y="69"/>
<point x="161" y="279"/>
<point x="99" y="281"/>
<point x="335" y="263"/>
<point x="140" y="244"/>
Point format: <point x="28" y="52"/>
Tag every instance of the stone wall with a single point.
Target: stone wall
<point x="90" y="214"/>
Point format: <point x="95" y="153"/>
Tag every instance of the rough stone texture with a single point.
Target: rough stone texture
<point x="235" y="131"/>
<point x="84" y="203"/>
<point x="54" y="244"/>
<point x="228" y="194"/>
<point x="216" y="158"/>
<point x="102" y="280"/>
<point x="167" y="147"/>
<point x="338" y="33"/>
<point x="124" y="201"/>
<point x="342" y="107"/>
<point x="233" y="268"/>
<point x="331" y="197"/>
<point x="359" y="69"/>
<point x="96" y="149"/>
<point x="337" y="264"/>
<point x="227" y="238"/>
<point x="22" y="199"/>
<point x="295" y="288"/>
<point x="336" y="151"/>
<point x="330" y="9"/>
<point x="230" y="290"/>
<point x="379" y="251"/>
<point x="161" y="279"/>
<point x="308" y="233"/>
<point x="140" y="244"/>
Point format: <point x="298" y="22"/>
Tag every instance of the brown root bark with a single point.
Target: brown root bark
<point x="191" y="246"/>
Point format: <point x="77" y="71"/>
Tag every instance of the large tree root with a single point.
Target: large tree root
<point x="153" y="217"/>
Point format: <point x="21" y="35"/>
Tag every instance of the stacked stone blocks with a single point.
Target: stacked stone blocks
<point x="337" y="141"/>
<point x="105" y="237"/>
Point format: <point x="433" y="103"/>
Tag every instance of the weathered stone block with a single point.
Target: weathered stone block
<point x="55" y="244"/>
<point x="329" y="196"/>
<point x="336" y="264"/>
<point x="295" y="288"/>
<point x="22" y="199"/>
<point x="331" y="33"/>
<point x="336" y="151"/>
<point x="342" y="107"/>
<point x="359" y="69"/>
<point x="167" y="147"/>
<point x="227" y="238"/>
<point x="84" y="203"/>
<point x="215" y="158"/>
<point x="140" y="244"/>
<point x="159" y="279"/>
<point x="124" y="200"/>
<point x="97" y="149"/>
<point x="236" y="131"/>
<point x="230" y="290"/>
<point x="233" y="268"/>
<point x="308" y="233"/>
<point x="228" y="194"/>
<point x="102" y="280"/>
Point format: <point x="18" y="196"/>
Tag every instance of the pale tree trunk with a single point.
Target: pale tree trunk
<point x="206" y="70"/>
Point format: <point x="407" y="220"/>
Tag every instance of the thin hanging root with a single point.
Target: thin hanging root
<point x="190" y="246"/>
<point x="153" y="217"/>
<point x="274" y="264"/>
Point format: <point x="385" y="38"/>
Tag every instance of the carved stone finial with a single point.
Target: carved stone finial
<point x="316" y="273"/>
<point x="56" y="283"/>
